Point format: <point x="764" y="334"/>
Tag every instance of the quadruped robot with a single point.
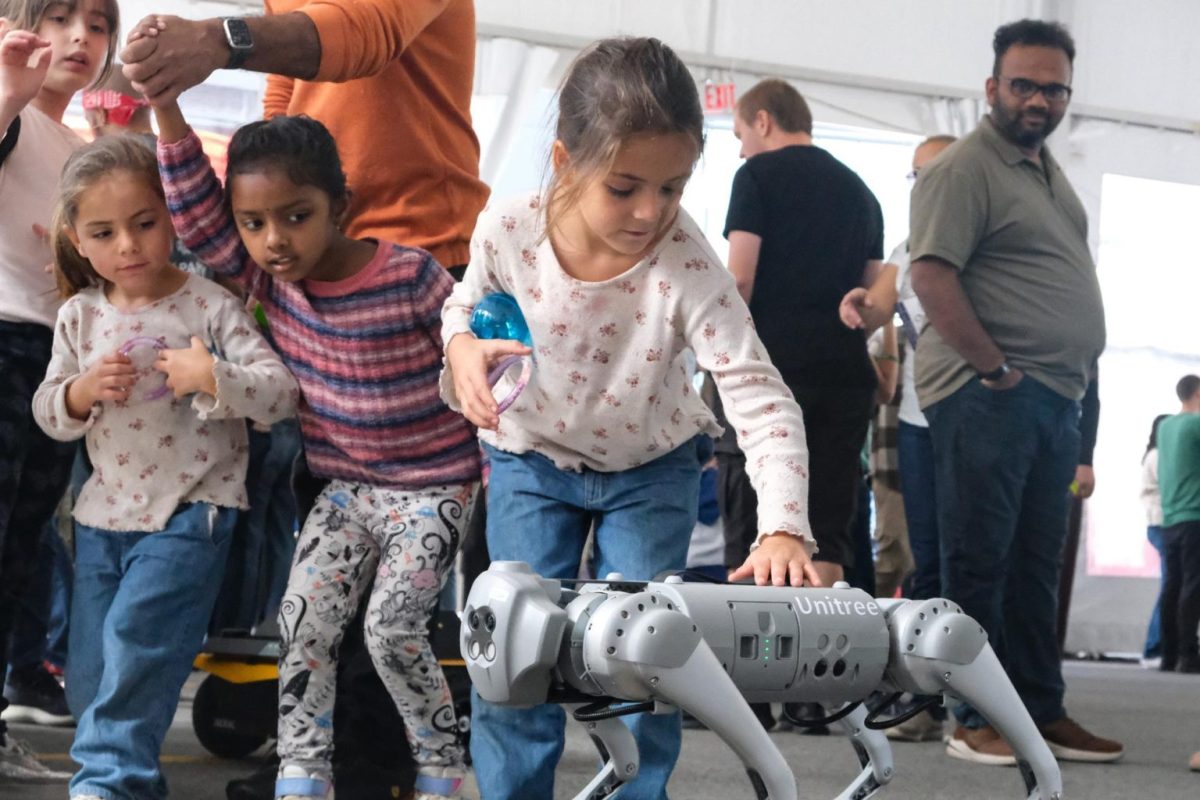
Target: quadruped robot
<point x="610" y="647"/>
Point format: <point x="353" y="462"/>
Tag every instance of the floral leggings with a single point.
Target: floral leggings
<point x="407" y="540"/>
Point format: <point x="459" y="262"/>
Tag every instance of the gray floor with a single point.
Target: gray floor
<point x="1155" y="715"/>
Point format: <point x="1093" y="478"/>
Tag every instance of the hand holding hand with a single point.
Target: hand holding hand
<point x="851" y="309"/>
<point x="469" y="360"/>
<point x="24" y="62"/>
<point x="780" y="559"/>
<point x="188" y="370"/>
<point x="164" y="56"/>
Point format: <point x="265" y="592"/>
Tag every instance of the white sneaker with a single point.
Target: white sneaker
<point x="297" y="783"/>
<point x="86" y="797"/>
<point x="438" y="783"/>
<point x="19" y="763"/>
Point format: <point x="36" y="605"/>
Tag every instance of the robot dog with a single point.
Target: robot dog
<point x="611" y="647"/>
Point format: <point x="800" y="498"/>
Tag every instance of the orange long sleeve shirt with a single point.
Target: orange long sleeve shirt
<point x="394" y="88"/>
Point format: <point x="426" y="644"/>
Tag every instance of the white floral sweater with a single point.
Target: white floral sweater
<point x="612" y="388"/>
<point x="151" y="453"/>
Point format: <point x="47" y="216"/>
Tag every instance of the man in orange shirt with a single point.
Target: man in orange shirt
<point x="392" y="82"/>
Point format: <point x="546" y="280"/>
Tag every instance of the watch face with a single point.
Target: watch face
<point x="238" y="34"/>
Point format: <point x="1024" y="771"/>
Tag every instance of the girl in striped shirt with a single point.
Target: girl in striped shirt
<point x="358" y="323"/>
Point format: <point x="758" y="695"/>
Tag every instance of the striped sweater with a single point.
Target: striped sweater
<point x="366" y="350"/>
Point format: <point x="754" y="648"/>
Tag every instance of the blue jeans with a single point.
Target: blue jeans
<point x="540" y="514"/>
<point x="1153" y="648"/>
<point x="920" y="510"/>
<point x="1004" y="461"/>
<point x="141" y="607"/>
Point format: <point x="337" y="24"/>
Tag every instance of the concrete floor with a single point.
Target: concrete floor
<point x="1157" y="716"/>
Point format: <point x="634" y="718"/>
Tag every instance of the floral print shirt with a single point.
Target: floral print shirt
<point x="151" y="452"/>
<point x="612" y="388"/>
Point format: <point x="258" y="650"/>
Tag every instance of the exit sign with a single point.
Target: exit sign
<point x="719" y="98"/>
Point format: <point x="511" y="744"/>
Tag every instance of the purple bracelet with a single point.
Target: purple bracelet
<point x="146" y="341"/>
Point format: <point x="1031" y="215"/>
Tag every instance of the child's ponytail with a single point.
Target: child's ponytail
<point x="72" y="272"/>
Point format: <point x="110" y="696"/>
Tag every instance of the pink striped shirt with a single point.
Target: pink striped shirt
<point x="366" y="350"/>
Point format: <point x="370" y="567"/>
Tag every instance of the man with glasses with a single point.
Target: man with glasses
<point x="1001" y="265"/>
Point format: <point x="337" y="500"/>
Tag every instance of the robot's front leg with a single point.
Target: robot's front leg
<point x="937" y="648"/>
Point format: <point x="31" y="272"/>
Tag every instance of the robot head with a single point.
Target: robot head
<point x="511" y="634"/>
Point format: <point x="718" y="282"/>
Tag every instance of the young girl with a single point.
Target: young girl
<point x="48" y="52"/>
<point x="154" y="519"/>
<point x="617" y="284"/>
<point x="359" y="324"/>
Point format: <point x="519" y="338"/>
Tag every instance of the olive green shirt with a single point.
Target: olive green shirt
<point x="1017" y="233"/>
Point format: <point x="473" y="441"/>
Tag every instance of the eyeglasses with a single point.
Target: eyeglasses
<point x="912" y="176"/>
<point x="1025" y="89"/>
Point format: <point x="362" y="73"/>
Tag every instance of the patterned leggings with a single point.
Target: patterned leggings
<point x="408" y="540"/>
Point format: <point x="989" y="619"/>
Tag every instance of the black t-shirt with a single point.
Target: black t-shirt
<point x="819" y="225"/>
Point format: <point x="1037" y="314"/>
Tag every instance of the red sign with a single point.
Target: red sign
<point x="719" y="98"/>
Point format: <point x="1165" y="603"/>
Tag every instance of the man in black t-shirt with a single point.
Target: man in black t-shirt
<point x="803" y="230"/>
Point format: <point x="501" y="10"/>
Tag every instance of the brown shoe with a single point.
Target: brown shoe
<point x="981" y="746"/>
<point x="1194" y="762"/>
<point x="1069" y="741"/>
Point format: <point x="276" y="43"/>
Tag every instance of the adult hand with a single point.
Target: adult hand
<point x="1010" y="380"/>
<point x="24" y="61"/>
<point x="1085" y="482"/>
<point x="851" y="309"/>
<point x="779" y="559"/>
<point x="165" y="56"/>
<point x="469" y="360"/>
<point x="188" y="370"/>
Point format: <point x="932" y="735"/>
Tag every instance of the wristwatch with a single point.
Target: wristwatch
<point x="997" y="374"/>
<point x="239" y="39"/>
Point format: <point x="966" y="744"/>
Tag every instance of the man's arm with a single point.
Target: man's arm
<point x="329" y="41"/>
<point x="166" y="55"/>
<point x="743" y="260"/>
<point x="940" y="291"/>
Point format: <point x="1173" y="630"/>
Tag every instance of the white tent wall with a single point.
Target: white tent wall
<point x="914" y="66"/>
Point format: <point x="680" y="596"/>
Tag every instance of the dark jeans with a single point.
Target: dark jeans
<point x="265" y="536"/>
<point x="40" y="629"/>
<point x="835" y="427"/>
<point x="34" y="470"/>
<point x="862" y="574"/>
<point x="1003" y="463"/>
<point x="1181" y="591"/>
<point x="920" y="510"/>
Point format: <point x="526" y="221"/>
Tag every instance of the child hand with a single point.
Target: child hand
<point x="469" y="360"/>
<point x="779" y="557"/>
<point x="24" y="61"/>
<point x="188" y="371"/>
<point x="110" y="379"/>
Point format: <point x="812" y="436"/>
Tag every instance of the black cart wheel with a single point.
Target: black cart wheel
<point x="219" y="717"/>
